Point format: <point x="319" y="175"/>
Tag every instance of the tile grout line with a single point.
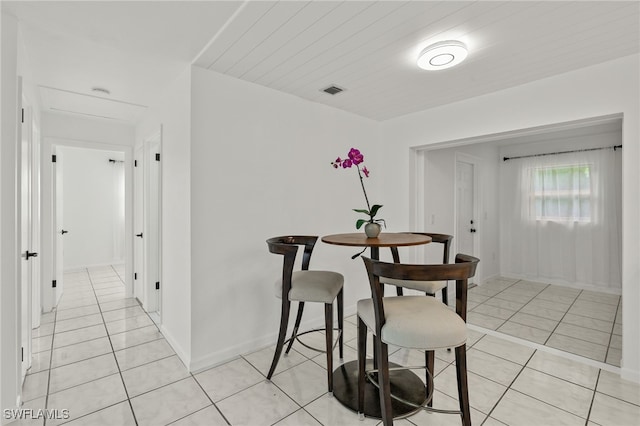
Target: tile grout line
<point x="504" y="321"/>
<point x="320" y="396"/>
<point x="146" y="363"/>
<point x="282" y="390"/>
<point x="606" y="355"/>
<point x="509" y="387"/>
<point x="563" y="316"/>
<point x="593" y="397"/>
<point x="46" y="400"/>
<point x="566" y="312"/>
<point x="551" y="375"/>
<point x="51" y="368"/>
<point x="115" y="357"/>
<point x="53" y="337"/>
<point x="565" y="380"/>
<point x="265" y="380"/>
<point x="209" y="398"/>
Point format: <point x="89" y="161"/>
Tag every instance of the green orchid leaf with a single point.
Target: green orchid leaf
<point x="361" y="211"/>
<point x="374" y="209"/>
<point x="360" y="222"/>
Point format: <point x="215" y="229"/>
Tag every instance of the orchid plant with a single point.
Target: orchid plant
<point x="355" y="158"/>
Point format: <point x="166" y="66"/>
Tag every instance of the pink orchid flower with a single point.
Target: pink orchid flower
<point x="355" y="158"/>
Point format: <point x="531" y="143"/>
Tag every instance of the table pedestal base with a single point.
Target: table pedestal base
<point x="404" y="384"/>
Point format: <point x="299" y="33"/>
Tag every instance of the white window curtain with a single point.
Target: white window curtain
<point x="561" y="218"/>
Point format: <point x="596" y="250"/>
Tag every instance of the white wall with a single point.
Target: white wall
<point x="173" y="114"/>
<point x="86" y="130"/>
<point x="260" y="167"/>
<point x="599" y="90"/>
<point x="10" y="325"/>
<point x="62" y="130"/>
<point x="92" y="213"/>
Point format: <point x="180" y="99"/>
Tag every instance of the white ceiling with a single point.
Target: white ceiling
<point x="135" y="49"/>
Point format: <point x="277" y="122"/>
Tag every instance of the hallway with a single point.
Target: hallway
<point x="100" y="357"/>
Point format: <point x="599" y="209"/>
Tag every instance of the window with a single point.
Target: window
<point x="561" y="193"/>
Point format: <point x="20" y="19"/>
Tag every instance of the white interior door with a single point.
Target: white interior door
<point x="138" y="225"/>
<point x="59" y="231"/>
<point x="466" y="221"/>
<point x="36" y="278"/>
<point x="25" y="237"/>
<point x="152" y="222"/>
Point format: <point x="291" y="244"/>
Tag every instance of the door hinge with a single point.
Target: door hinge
<point x="157" y="285"/>
<point x="53" y="158"/>
<point x="54" y="283"/>
<point x="22" y="119"/>
<point x="135" y="163"/>
<point x="22" y="350"/>
<point x="157" y="156"/>
<point x="135" y="275"/>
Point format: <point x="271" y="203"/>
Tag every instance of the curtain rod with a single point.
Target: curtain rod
<point x="615" y="147"/>
<point x="111" y="160"/>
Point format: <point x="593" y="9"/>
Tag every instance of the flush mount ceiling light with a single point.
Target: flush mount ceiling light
<point x="442" y="55"/>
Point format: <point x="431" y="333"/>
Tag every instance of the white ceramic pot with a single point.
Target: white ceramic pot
<point x="372" y="230"/>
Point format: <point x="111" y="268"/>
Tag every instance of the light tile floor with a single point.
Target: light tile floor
<point x="100" y="357"/>
<point x="581" y="322"/>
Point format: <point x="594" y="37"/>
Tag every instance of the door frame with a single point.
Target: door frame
<point x="138" y="224"/>
<point x="25" y="153"/>
<point x="152" y="146"/>
<point x="477" y="203"/>
<point x="418" y="164"/>
<point x="36" y="236"/>
<point x="49" y="294"/>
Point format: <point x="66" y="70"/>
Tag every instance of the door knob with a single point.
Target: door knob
<point x="139" y="235"/>
<point x="64" y="232"/>
<point x="28" y="254"/>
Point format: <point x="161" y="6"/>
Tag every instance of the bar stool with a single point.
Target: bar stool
<point x="416" y="322"/>
<point x="429" y="287"/>
<point x="306" y="286"/>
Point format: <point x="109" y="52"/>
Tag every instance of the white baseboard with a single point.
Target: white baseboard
<point x="182" y="354"/>
<point x="230" y="353"/>
<point x="562" y="283"/>
<point x="494" y="276"/>
<point x="631" y="375"/>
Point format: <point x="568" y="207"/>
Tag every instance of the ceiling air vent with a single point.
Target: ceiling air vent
<point x="333" y="90"/>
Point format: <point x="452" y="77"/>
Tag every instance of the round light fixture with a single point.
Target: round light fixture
<point x="442" y="55"/>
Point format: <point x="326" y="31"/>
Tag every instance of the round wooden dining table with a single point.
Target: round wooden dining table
<point x="385" y="239"/>
<point x="404" y="383"/>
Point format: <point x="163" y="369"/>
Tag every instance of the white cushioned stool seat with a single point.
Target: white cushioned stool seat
<point x="416" y="322"/>
<point x="313" y="286"/>
<point x="429" y="287"/>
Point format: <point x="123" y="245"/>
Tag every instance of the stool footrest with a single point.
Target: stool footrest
<point x="297" y="337"/>
<point x="423" y="406"/>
